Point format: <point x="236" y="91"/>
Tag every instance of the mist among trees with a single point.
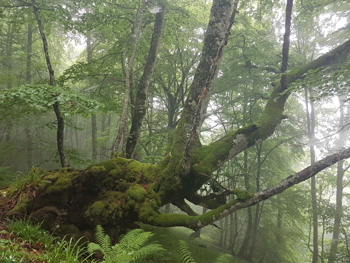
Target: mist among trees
<point x="229" y="118"/>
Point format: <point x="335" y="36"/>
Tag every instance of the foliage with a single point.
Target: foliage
<point x="131" y="248"/>
<point x="31" y="180"/>
<point x="30" y="233"/>
<point x="27" y="242"/>
<point x="185" y="253"/>
<point x="37" y="99"/>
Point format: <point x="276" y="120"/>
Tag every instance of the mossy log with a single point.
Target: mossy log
<point x="115" y="193"/>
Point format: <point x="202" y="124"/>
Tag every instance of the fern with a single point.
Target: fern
<point x="151" y="249"/>
<point x="131" y="248"/>
<point x="185" y="253"/>
<point x="103" y="242"/>
<point x="134" y="240"/>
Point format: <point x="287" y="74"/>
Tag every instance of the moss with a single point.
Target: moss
<point x="201" y="169"/>
<point x="115" y="173"/>
<point x="115" y="163"/>
<point x="97" y="169"/>
<point x="248" y="129"/>
<point x="63" y="182"/>
<point x="108" y="208"/>
<point x="175" y="220"/>
<point x="242" y="194"/>
<point x="96" y="213"/>
<point x="147" y="212"/>
<point x="137" y="193"/>
<point x="22" y="206"/>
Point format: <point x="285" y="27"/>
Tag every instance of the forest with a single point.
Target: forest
<point x="168" y="131"/>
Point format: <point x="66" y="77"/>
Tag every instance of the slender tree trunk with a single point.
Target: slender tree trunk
<point x="310" y="114"/>
<point x="142" y="91"/>
<point x="258" y="210"/>
<point x="103" y="146"/>
<point x="279" y="222"/>
<point x="56" y="105"/>
<point x="29" y="54"/>
<point x="119" y="144"/>
<point x="93" y="116"/>
<point x="29" y="138"/>
<point x="9" y="81"/>
<point x="9" y="46"/>
<point x="243" y="252"/>
<point x="94" y="137"/>
<point x="343" y="120"/>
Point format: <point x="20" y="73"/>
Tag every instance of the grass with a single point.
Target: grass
<point x="22" y="241"/>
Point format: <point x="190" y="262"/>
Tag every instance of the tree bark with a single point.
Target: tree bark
<point x="94" y="144"/>
<point x="140" y="106"/>
<point x="338" y="214"/>
<point x="222" y="17"/>
<point x="243" y="252"/>
<point x="56" y="105"/>
<point x="119" y="144"/>
<point x="29" y="138"/>
<point x="9" y="53"/>
<point x="310" y="115"/>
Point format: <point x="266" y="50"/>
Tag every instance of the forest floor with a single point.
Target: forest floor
<point x="201" y="249"/>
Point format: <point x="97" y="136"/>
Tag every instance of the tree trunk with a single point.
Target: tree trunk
<point x="243" y="252"/>
<point x="310" y="114"/>
<point x="56" y="105"/>
<point x="142" y="90"/>
<point x="94" y="144"/>
<point x="94" y="137"/>
<point x="119" y="144"/>
<point x="258" y="210"/>
<point x="29" y="138"/>
<point x="343" y="121"/>
<point x="9" y="53"/>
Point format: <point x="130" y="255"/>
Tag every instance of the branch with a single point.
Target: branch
<point x="239" y="140"/>
<point x="211" y="201"/>
<point x="197" y="222"/>
<point x="142" y="92"/>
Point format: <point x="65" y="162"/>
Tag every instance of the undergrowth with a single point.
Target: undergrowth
<point x="26" y="242"/>
<point x="23" y="241"/>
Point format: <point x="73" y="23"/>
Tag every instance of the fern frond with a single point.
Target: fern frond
<point x="103" y="240"/>
<point x="125" y="258"/>
<point x="225" y="258"/>
<point x="92" y="247"/>
<point x="185" y="253"/>
<point x="141" y="254"/>
<point x="134" y="239"/>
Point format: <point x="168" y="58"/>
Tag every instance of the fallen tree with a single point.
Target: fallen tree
<point x="119" y="192"/>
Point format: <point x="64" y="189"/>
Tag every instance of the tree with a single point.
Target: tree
<point x="338" y="213"/>
<point x="120" y="191"/>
